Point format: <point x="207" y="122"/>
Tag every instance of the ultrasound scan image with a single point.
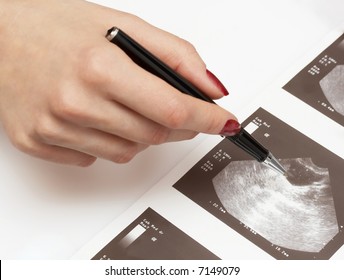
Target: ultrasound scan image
<point x="332" y="86"/>
<point x="152" y="237"/>
<point x="297" y="216"/>
<point x="321" y="83"/>
<point x="259" y="197"/>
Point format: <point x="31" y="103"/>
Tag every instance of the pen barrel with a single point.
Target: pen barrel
<point x="154" y="65"/>
<point x="245" y="141"/>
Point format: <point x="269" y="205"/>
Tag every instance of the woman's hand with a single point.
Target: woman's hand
<point x="68" y="95"/>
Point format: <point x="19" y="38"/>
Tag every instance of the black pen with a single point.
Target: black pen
<point x="152" y="64"/>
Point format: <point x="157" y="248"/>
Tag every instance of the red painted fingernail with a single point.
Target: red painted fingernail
<point x="217" y="83"/>
<point x="231" y="128"/>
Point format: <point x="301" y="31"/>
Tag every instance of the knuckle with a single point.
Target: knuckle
<point x="91" y="66"/>
<point x="188" y="48"/>
<point x="86" y="161"/>
<point x="127" y="154"/>
<point x="134" y="18"/>
<point x="22" y="142"/>
<point x="180" y="54"/>
<point x="67" y="105"/>
<point x="25" y="140"/>
<point x="45" y="129"/>
<point x="160" y="136"/>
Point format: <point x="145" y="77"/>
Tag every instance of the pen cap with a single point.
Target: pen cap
<point x="245" y="141"/>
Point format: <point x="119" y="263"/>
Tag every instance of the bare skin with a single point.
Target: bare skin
<point x="67" y="95"/>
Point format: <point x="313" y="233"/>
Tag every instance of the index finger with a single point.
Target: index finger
<point x="153" y="98"/>
<point x="177" y="53"/>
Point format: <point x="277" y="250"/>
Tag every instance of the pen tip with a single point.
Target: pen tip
<point x="109" y="31"/>
<point x="274" y="164"/>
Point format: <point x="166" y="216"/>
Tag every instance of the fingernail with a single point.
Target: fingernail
<point x="217" y="83"/>
<point x="231" y="128"/>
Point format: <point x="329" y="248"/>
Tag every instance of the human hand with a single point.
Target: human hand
<point x="68" y="95"/>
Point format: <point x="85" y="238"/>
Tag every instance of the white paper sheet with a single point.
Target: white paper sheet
<point x="305" y="139"/>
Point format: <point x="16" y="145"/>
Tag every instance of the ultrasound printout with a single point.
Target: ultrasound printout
<point x="321" y="83"/>
<point x="151" y="237"/>
<point x="298" y="216"/>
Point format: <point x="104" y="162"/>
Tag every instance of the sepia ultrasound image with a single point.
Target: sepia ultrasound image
<point x="298" y="216"/>
<point x="152" y="237"/>
<point x="332" y="86"/>
<point x="321" y="83"/>
<point x="259" y="197"/>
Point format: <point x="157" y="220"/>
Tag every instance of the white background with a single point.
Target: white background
<point x="49" y="211"/>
